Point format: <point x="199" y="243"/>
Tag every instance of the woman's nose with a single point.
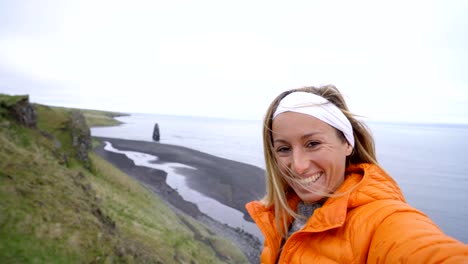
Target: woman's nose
<point x="300" y="162"/>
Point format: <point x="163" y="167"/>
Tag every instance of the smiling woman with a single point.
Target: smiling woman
<point x="316" y="141"/>
<point x="327" y="198"/>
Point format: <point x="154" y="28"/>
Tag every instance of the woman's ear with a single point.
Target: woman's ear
<point x="349" y="149"/>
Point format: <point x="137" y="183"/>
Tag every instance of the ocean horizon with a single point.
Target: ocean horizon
<point x="427" y="160"/>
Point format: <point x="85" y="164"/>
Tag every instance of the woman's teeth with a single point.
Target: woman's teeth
<point x="310" y="179"/>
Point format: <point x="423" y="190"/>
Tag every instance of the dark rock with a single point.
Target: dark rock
<point x="81" y="136"/>
<point x="156" y="135"/>
<point x="25" y="113"/>
<point x="21" y="110"/>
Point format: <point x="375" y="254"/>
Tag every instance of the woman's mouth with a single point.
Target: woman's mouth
<point x="311" y="179"/>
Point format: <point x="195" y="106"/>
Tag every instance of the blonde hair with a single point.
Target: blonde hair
<point x="276" y="186"/>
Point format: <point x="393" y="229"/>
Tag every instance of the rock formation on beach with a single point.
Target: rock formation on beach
<point x="156" y="135"/>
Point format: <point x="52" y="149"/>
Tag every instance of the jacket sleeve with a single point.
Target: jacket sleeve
<point x="411" y="237"/>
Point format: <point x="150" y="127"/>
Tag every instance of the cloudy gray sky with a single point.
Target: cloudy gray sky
<point x="393" y="60"/>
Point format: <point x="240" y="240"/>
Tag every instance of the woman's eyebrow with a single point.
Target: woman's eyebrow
<point x="279" y="141"/>
<point x="305" y="136"/>
<point x="309" y="135"/>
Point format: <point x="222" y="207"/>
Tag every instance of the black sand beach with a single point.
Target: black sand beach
<point x="229" y="182"/>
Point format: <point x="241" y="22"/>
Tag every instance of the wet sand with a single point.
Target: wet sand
<point x="229" y="182"/>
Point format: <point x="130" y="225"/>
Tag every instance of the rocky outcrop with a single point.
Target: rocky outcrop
<point x="25" y="113"/>
<point x="156" y="135"/>
<point x="20" y="109"/>
<point x="81" y="137"/>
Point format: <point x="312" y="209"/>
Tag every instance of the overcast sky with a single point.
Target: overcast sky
<point x="393" y="60"/>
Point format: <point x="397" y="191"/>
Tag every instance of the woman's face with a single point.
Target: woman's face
<point x="311" y="153"/>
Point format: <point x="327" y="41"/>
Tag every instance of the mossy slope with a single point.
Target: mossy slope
<point x="54" y="210"/>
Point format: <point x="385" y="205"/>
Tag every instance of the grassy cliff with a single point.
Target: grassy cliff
<point x="56" y="208"/>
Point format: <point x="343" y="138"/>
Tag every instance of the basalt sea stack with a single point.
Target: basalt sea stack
<point x="156" y="135"/>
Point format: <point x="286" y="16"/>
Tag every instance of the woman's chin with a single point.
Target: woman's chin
<point x="312" y="194"/>
<point x="310" y="197"/>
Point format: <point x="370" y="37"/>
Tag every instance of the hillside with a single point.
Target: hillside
<point x="62" y="203"/>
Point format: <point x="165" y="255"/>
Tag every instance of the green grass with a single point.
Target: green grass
<point x="7" y="101"/>
<point x="43" y="207"/>
<point x="52" y="213"/>
<point x="101" y="118"/>
<point x="144" y="218"/>
<point x="96" y="118"/>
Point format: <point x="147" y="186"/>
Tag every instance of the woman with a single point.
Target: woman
<point x="327" y="199"/>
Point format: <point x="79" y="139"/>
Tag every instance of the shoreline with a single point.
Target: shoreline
<point x="229" y="182"/>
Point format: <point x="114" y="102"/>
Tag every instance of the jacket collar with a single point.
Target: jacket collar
<point x="333" y="212"/>
<point x="364" y="183"/>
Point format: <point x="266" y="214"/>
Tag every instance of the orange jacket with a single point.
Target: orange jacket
<point x="371" y="224"/>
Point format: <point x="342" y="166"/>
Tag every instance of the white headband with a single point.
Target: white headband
<point x="318" y="107"/>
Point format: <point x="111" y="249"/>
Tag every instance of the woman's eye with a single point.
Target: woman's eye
<point x="312" y="144"/>
<point x="282" y="149"/>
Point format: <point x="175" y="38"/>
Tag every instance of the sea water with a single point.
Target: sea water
<point x="238" y="140"/>
<point x="428" y="161"/>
